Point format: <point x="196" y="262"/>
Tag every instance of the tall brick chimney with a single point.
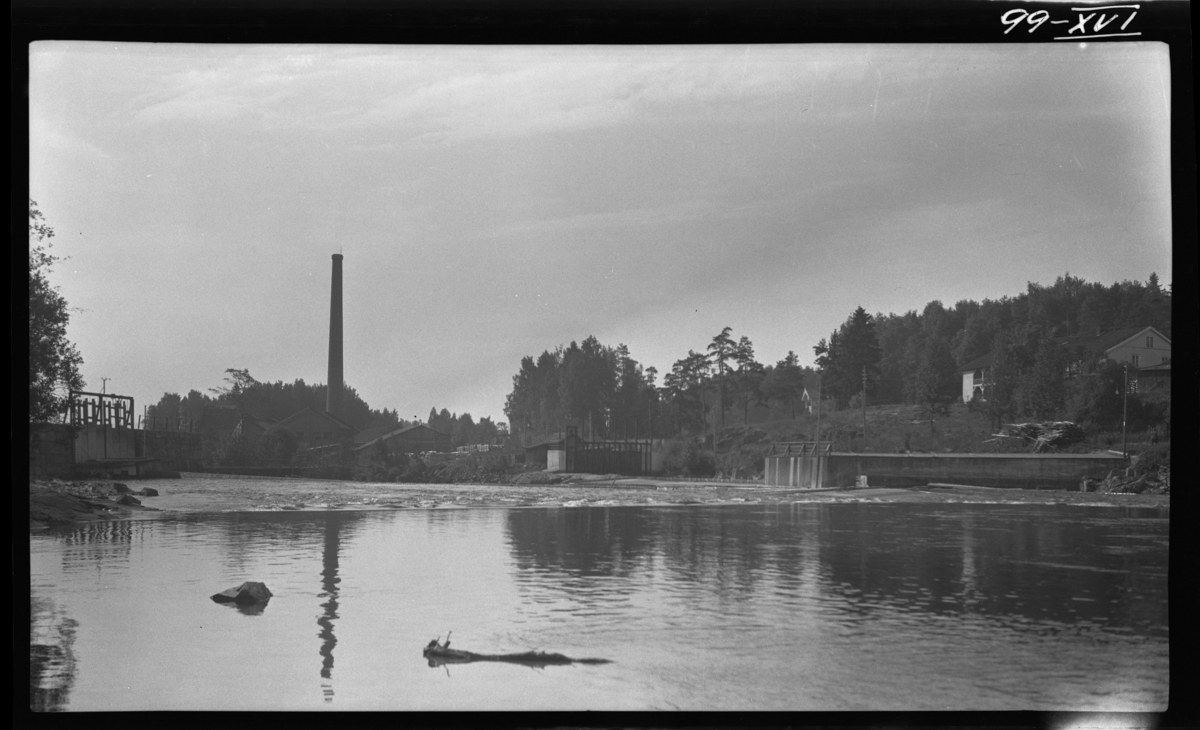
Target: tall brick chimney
<point x="333" y="401"/>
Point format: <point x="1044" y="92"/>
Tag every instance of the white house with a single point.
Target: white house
<point x="1142" y="347"/>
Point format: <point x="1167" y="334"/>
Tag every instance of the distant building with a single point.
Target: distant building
<point x="537" y="454"/>
<point x="1153" y="378"/>
<point x="415" y="439"/>
<point x="254" y="426"/>
<point x="316" y="428"/>
<point x="976" y="378"/>
<point x="1145" y="349"/>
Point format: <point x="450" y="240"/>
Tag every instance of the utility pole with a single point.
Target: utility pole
<point x="818" y="439"/>
<point x="1124" y="410"/>
<point x="104" y="386"/>
<point x="864" y="402"/>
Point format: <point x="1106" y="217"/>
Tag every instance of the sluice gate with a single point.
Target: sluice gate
<point x="799" y="464"/>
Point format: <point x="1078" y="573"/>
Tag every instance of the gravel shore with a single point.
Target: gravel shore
<point x="55" y="501"/>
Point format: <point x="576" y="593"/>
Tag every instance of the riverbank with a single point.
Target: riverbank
<point x="56" y="501"/>
<point x="60" y="502"/>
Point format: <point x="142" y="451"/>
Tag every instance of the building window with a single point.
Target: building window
<point x="1164" y="359"/>
<point x="1135" y="360"/>
<point x="1150" y="342"/>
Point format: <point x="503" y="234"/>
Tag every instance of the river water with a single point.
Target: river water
<point x="794" y="606"/>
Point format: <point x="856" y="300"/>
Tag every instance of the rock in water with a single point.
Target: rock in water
<point x="249" y="592"/>
<point x="120" y="488"/>
<point x="128" y="500"/>
<point x="148" y="492"/>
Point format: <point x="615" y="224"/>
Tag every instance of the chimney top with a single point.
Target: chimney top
<point x="337" y="257"/>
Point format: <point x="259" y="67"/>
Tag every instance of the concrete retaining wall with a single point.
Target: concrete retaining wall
<point x="1027" y="471"/>
<point x="95" y="443"/>
<point x="51" y="451"/>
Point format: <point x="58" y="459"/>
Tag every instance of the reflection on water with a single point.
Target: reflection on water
<point x="999" y="563"/>
<point x="51" y="656"/>
<point x="788" y="607"/>
<point x="329" y="581"/>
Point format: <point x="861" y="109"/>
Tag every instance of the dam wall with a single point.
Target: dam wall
<point x="1021" y="471"/>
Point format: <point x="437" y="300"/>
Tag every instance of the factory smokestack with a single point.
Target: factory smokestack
<point x="333" y="401"/>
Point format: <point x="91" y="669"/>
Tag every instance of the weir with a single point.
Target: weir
<point x="808" y="466"/>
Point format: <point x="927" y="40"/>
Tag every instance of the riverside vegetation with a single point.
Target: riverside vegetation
<point x="718" y="409"/>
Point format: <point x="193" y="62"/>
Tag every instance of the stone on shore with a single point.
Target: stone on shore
<point x="148" y="492"/>
<point x="249" y="592"/>
<point x="128" y="500"/>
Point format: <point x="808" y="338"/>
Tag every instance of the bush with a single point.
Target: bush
<point x="684" y="457"/>
<point x="377" y="465"/>
<point x="746" y="463"/>
<point x="1152" y="459"/>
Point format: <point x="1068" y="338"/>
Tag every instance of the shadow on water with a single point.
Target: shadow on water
<point x="249" y="609"/>
<point x="1009" y="563"/>
<point x="51" y="656"/>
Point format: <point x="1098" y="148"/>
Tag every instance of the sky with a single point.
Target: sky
<point x="492" y="202"/>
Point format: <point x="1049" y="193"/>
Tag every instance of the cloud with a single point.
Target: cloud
<point x="45" y="140"/>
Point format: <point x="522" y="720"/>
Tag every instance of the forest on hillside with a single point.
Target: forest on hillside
<point x="908" y="358"/>
<point x="896" y="358"/>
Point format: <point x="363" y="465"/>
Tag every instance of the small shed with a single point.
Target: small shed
<point x="538" y="453"/>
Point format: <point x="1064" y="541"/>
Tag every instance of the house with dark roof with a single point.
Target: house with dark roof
<point x="1145" y="349"/>
<point x="415" y="439"/>
<point x="317" y="428"/>
<point x="976" y="378"/>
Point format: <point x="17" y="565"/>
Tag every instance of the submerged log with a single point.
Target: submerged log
<point x="249" y="592"/>
<point x="440" y="653"/>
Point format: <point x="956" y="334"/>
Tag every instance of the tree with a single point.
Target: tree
<point x="53" y="360"/>
<point x="721" y="350"/>
<point x="1095" y="401"/>
<point x="850" y="351"/>
<point x="684" y="390"/>
<point x="1006" y="377"/>
<point x="238" y="388"/>
<point x="1042" y="392"/>
<point x="748" y="377"/>
<point x="785" y="381"/>
<point x="935" y="382"/>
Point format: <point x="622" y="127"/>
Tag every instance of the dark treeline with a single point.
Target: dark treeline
<point x="463" y="429"/>
<point x="275" y="401"/>
<point x="607" y="394"/>
<point x="904" y="358"/>
<point x="939" y="336"/>
<point x="243" y="395"/>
